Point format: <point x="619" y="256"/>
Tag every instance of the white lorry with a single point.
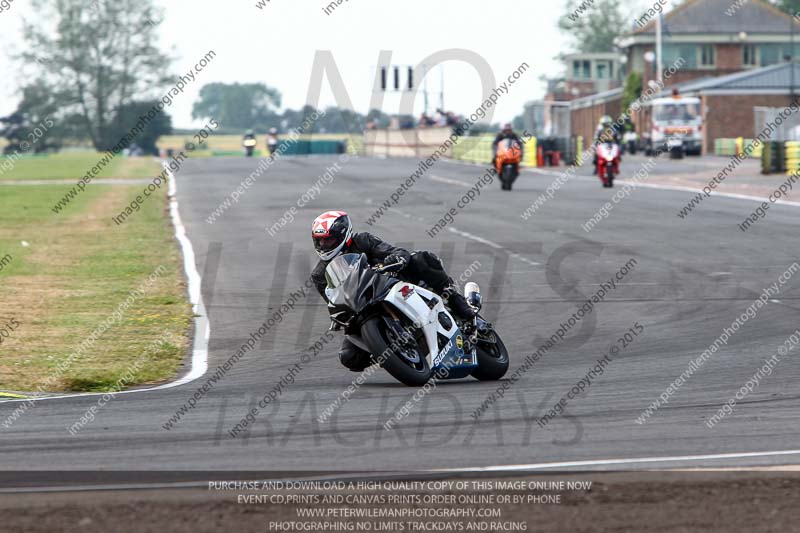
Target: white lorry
<point x="677" y="126"/>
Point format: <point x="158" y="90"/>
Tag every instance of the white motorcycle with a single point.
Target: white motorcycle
<point x="407" y="328"/>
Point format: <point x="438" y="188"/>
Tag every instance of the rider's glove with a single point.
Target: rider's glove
<point x="335" y="326"/>
<point x="392" y="259"/>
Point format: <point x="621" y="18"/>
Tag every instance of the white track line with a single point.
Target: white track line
<point x="451" y="181"/>
<point x="421" y="474"/>
<point x="611" y="462"/>
<point x="492" y="244"/>
<point x="466" y="235"/>
<point x="202" y="327"/>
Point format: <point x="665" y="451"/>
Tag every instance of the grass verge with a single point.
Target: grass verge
<point x="69" y="273"/>
<point x="74" y="165"/>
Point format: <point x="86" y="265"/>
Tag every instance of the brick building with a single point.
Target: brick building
<point x="728" y="102"/>
<point x="733" y="57"/>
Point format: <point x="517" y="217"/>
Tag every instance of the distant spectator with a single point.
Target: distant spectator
<point x="441" y="118"/>
<point x="425" y="121"/>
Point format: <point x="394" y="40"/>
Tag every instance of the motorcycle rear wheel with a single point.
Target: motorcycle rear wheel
<point x="375" y="333"/>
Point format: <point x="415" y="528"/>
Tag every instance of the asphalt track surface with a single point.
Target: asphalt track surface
<point x="693" y="278"/>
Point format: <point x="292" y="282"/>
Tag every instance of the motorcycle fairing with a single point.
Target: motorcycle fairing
<point x="361" y="287"/>
<point x="410" y="300"/>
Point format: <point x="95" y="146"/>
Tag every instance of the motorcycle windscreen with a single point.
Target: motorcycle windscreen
<point x="356" y="283"/>
<point x="341" y="267"/>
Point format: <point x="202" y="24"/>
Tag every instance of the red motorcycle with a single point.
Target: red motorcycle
<point x="607" y="162"/>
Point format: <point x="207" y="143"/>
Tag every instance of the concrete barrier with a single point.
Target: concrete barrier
<point x="419" y="143"/>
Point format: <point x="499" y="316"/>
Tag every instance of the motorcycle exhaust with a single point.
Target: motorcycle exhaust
<point x="472" y="293"/>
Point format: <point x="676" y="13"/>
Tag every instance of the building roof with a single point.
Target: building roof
<point x="722" y="16"/>
<point x="772" y="79"/>
<point x="613" y="56"/>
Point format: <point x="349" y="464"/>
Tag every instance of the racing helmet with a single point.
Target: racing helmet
<point x="273" y="131"/>
<point x="331" y="232"/>
<point x="606" y="120"/>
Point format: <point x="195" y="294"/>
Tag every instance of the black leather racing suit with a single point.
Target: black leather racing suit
<point x="420" y="267"/>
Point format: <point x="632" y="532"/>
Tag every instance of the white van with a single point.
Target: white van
<point x="676" y="118"/>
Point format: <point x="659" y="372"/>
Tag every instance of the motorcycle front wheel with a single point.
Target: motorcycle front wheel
<point x="492" y="360"/>
<point x="508" y="177"/>
<point x="408" y="368"/>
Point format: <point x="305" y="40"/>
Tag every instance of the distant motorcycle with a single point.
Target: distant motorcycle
<point x="249" y="144"/>
<point x="272" y="144"/>
<point x="272" y="141"/>
<point x="407" y="328"/>
<point x="509" y="156"/>
<point x="630" y="142"/>
<point x="607" y="162"/>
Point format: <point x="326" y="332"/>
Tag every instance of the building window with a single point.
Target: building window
<point x="749" y="55"/>
<point x="685" y="53"/>
<point x="707" y="58"/>
<point x="604" y="70"/>
<point x="582" y="69"/>
<point x="770" y="54"/>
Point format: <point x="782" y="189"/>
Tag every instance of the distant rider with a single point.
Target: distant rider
<point x="507" y="133"/>
<point x="332" y="233"/>
<point x="272" y="140"/>
<point x="606" y="131"/>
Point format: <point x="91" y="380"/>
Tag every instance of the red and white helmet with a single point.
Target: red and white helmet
<point x="331" y="232"/>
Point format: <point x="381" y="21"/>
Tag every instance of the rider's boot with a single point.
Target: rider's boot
<point x="456" y="302"/>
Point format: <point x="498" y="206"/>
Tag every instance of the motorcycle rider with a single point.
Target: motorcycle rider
<point x="507" y="133"/>
<point x="272" y="140"/>
<point x="332" y="233"/>
<point x="606" y="131"/>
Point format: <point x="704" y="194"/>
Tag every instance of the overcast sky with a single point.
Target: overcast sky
<point x="276" y="45"/>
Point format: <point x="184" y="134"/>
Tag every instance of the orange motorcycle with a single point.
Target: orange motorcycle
<point x="509" y="156"/>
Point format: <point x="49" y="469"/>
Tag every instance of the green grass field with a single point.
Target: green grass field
<point x="73" y="166"/>
<point x="69" y="272"/>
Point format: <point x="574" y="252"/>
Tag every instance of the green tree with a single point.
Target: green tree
<point x="378" y="118"/>
<point x="95" y="58"/>
<point x="632" y="90"/>
<point x="34" y="122"/>
<point x="238" y="106"/>
<point x="792" y="7"/>
<point x="146" y="140"/>
<point x="595" y="28"/>
<point x="338" y="120"/>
